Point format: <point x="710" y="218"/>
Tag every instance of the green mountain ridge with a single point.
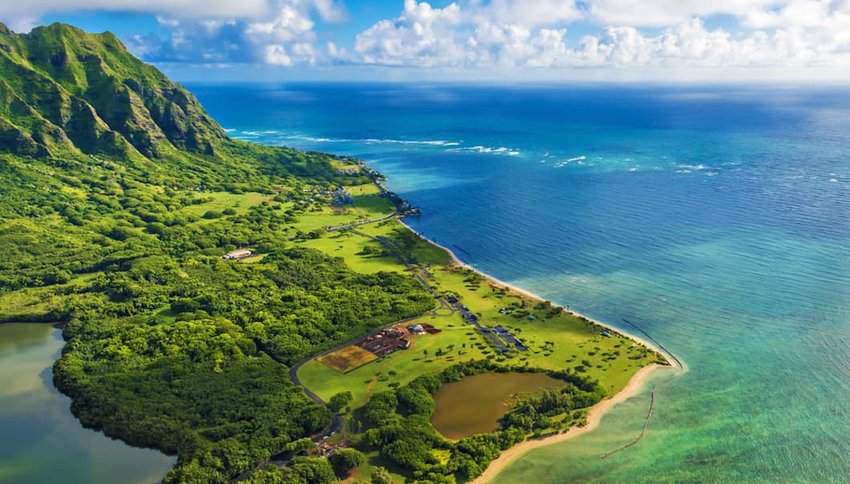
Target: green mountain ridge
<point x="64" y="90"/>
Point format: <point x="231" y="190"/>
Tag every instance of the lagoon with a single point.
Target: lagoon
<point x="40" y="440"/>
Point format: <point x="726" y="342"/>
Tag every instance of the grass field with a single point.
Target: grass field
<point x="37" y="304"/>
<point x="347" y="359"/>
<point x="411" y="245"/>
<point x="239" y="202"/>
<point x="360" y="254"/>
<point x="367" y="205"/>
<point x="428" y="354"/>
<point x="555" y="341"/>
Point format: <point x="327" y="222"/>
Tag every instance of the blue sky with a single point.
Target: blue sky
<point x="513" y="40"/>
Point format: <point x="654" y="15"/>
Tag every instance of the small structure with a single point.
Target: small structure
<point x="606" y="333"/>
<point x="386" y="342"/>
<point x="342" y="197"/>
<point x="238" y="254"/>
<point x="416" y="329"/>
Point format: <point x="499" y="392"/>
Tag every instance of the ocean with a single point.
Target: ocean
<point x="716" y="219"/>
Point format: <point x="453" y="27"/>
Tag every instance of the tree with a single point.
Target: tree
<point x="300" y="446"/>
<point x="380" y="475"/>
<point x="346" y="459"/>
<point x="340" y="401"/>
<point x="310" y="470"/>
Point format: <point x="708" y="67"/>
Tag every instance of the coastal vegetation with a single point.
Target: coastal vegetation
<point x="121" y="197"/>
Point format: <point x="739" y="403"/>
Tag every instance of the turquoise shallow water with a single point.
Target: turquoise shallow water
<point x="717" y="219"/>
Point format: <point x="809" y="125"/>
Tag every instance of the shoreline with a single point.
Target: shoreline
<point x="595" y="414"/>
<point x="594" y="417"/>
<point x="672" y="360"/>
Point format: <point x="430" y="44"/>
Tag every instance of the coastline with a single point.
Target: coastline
<point x="672" y="360"/>
<point x="635" y="385"/>
<point x="594" y="417"/>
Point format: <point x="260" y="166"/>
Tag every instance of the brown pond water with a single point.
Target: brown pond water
<point x="476" y="403"/>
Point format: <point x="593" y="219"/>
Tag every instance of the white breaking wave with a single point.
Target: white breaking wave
<point x="502" y="150"/>
<point x="578" y="160"/>
<point x="699" y="167"/>
<point x="438" y="142"/>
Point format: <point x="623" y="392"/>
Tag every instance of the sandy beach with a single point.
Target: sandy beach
<point x="595" y="414"/>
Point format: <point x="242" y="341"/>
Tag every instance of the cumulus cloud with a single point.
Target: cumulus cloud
<point x="661" y="13"/>
<point x="492" y="34"/>
<point x="211" y="8"/>
<point x="285" y="36"/>
<point x="512" y="33"/>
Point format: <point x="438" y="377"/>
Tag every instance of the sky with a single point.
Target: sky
<point x="782" y="41"/>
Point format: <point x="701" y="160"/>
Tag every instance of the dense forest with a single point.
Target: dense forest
<point x="107" y="170"/>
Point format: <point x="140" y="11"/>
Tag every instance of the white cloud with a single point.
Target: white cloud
<point x="662" y="13"/>
<point x="182" y="8"/>
<point x="421" y="32"/>
<point x="284" y="37"/>
<point x="493" y="34"/>
<point x="527" y="13"/>
<point x="276" y="55"/>
<point x="515" y="34"/>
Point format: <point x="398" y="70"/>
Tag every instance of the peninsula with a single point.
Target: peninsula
<point x="262" y="312"/>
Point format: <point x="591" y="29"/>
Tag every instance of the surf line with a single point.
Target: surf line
<point x="651" y="394"/>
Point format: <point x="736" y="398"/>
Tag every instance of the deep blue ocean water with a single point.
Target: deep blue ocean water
<point x="716" y="219"/>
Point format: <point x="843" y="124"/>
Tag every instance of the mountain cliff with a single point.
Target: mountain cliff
<point x="82" y="98"/>
<point x="63" y="90"/>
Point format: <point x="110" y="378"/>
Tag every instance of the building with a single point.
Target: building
<point x="238" y="254"/>
<point x="342" y="197"/>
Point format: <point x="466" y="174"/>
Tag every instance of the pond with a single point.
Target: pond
<point x="40" y="440"/>
<point x="476" y="403"/>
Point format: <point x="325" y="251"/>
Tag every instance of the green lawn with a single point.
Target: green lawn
<point x="326" y="217"/>
<point x="351" y="248"/>
<point x="367" y="189"/>
<point x="372" y="206"/>
<point x="367" y="205"/>
<point x="37" y="303"/>
<point x="239" y="202"/>
<point x="458" y="342"/>
<point x="557" y="342"/>
<point x="413" y="246"/>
